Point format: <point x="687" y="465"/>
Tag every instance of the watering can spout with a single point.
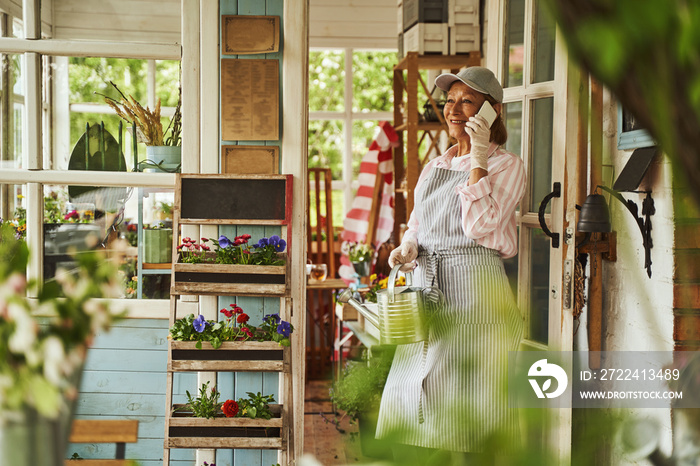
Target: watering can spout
<point x="346" y="297"/>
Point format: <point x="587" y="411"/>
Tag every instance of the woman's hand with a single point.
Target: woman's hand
<point x="405" y="254"/>
<point x="479" y="133"/>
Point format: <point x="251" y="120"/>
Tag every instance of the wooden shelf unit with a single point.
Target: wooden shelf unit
<point x="407" y="119"/>
<point x="261" y="203"/>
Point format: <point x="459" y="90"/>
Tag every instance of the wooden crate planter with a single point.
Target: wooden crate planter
<point x="231" y="356"/>
<point x="186" y="431"/>
<point x="230" y="279"/>
<point x="427" y="38"/>
<point x="231" y="200"/>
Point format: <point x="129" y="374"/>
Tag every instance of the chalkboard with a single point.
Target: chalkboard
<point x="233" y="198"/>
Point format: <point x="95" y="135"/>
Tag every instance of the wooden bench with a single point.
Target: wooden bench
<point x="120" y="432"/>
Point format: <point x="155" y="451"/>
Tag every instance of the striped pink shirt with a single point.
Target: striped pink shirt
<point x="488" y="206"/>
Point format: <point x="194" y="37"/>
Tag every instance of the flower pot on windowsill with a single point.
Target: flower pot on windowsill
<point x="157" y="245"/>
<point x="186" y="431"/>
<point x="243" y="280"/>
<point x="163" y="159"/>
<point x="362" y="268"/>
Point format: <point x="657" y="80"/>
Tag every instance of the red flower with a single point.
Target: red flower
<point x="230" y="408"/>
<point x="131" y="227"/>
<point x="187" y="239"/>
<point x="247" y="331"/>
<point x="226" y="312"/>
<point x="205" y="247"/>
<point x="246" y="237"/>
<point x="204" y="239"/>
<point x="180" y="246"/>
<point x="242" y="318"/>
<point x="236" y="309"/>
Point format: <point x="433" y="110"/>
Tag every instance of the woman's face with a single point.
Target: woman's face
<point x="462" y="103"/>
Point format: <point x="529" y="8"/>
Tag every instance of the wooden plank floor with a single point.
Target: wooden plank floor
<point x="322" y="439"/>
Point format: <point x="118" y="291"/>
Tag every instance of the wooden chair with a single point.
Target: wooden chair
<point x="120" y="432"/>
<point x="319" y="303"/>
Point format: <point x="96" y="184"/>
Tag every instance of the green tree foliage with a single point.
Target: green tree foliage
<point x="372" y="87"/>
<point x="326" y="78"/>
<point x="648" y="53"/>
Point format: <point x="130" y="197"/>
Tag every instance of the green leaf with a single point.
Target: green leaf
<point x="199" y="344"/>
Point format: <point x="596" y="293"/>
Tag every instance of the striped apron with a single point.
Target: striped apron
<point x="450" y="392"/>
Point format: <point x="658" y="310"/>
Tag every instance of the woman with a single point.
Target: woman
<point x="449" y="393"/>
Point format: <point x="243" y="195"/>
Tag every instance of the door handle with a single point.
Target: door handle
<point x="556" y="192"/>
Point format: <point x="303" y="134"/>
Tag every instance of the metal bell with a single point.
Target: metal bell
<point x="594" y="216"/>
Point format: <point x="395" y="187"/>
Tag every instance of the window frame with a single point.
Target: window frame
<point x="33" y="181"/>
<point x="347" y="117"/>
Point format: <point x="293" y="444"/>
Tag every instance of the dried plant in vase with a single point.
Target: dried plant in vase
<point x="149" y="127"/>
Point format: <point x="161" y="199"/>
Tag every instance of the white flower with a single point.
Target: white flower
<point x="26" y="329"/>
<point x="56" y="365"/>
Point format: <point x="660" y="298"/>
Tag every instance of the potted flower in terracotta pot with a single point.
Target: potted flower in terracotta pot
<point x="163" y="149"/>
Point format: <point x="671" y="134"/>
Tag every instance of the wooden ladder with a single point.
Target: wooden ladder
<point x="231" y="200"/>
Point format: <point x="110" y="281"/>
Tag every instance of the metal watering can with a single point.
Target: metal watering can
<point x="402" y="310"/>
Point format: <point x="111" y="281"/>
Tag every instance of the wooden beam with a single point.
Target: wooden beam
<point x="294" y="153"/>
<point x="86" y="48"/>
<point x="440" y="62"/>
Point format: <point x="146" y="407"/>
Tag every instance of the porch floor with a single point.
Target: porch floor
<point x="322" y="439"/>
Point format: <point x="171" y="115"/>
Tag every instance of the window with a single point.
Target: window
<point x="350" y="92"/>
<point x="74" y="214"/>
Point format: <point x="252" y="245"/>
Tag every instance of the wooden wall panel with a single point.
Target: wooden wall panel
<point x="359" y="23"/>
<point x="124" y="377"/>
<point x="155" y="21"/>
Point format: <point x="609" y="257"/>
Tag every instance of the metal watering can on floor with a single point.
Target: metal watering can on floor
<point x="402" y="316"/>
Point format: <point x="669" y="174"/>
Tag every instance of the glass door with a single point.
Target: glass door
<point x="533" y="67"/>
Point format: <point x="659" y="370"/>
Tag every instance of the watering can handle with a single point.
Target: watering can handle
<point x="392" y="281"/>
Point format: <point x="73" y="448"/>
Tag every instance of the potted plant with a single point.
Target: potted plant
<point x="204" y="268"/>
<point x="163" y="149"/>
<point x="157" y="244"/>
<point x="358" y="393"/>
<point x="252" y="422"/>
<point x="43" y="346"/>
<point x="360" y="254"/>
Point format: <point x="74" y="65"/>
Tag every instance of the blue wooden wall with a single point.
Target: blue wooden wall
<point x="125" y="373"/>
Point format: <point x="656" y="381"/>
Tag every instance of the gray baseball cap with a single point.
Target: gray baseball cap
<point x="477" y="77"/>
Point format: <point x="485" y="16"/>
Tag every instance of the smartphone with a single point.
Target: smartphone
<point x="488" y="112"/>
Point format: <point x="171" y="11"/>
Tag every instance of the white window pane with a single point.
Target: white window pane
<point x="540" y="178"/>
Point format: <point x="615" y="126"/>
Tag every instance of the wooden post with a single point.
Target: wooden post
<point x="399" y="169"/>
<point x="595" y="287"/>
<point x="412" y="164"/>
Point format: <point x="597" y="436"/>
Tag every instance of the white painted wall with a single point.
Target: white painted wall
<point x="363" y="24"/>
<point x="156" y="21"/>
<point x="638" y="310"/>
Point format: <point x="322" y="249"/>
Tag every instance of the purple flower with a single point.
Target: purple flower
<point x="273" y="318"/>
<point x="281" y="244"/>
<point x="262" y="242"/>
<point x="284" y="328"/>
<point x="224" y="242"/>
<point x="199" y="323"/>
<point x="274" y="239"/>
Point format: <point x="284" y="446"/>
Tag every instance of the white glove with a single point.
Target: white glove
<point x="404" y="254"/>
<point x="479" y="132"/>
